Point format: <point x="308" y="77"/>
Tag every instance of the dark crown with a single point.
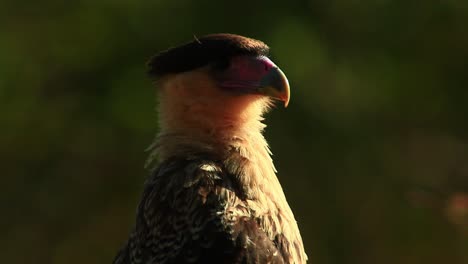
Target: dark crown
<point x="203" y="51"/>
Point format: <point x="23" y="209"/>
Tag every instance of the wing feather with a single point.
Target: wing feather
<point x="190" y="212"/>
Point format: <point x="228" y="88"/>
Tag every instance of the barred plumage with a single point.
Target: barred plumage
<point x="206" y="221"/>
<point x="213" y="195"/>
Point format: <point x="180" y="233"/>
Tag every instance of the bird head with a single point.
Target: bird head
<point x="215" y="80"/>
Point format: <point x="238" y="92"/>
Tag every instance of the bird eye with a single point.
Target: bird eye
<point x="221" y="64"/>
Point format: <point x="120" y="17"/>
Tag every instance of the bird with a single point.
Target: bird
<point x="212" y="194"/>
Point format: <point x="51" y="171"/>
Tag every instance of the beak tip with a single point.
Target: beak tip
<point x="276" y="85"/>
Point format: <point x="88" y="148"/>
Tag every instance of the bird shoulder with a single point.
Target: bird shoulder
<point x="192" y="212"/>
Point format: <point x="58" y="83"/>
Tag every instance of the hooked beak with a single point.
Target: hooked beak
<point x="275" y="84"/>
<point x="256" y="75"/>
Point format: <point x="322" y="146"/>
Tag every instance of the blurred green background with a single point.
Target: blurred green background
<point x="372" y="151"/>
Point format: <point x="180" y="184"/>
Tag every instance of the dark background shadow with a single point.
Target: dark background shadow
<point x="372" y="152"/>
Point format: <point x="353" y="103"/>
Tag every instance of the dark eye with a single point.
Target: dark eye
<point x="221" y="64"/>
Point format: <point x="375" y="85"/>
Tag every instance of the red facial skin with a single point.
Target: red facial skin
<point x="246" y="72"/>
<point x="255" y="75"/>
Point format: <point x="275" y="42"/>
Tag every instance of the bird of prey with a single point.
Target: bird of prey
<point x="213" y="195"/>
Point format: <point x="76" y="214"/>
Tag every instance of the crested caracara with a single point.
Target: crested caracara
<point x="213" y="195"/>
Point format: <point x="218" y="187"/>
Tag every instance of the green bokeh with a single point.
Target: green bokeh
<point x="371" y="152"/>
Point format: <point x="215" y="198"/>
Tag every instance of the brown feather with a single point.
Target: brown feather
<point x="204" y="50"/>
<point x="213" y="196"/>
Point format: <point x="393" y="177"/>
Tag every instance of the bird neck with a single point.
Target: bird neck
<point x="226" y="126"/>
<point x="240" y="146"/>
<point x="206" y="112"/>
<point x="225" y="142"/>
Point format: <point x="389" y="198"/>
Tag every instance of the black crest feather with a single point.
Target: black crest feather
<point x="202" y="51"/>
